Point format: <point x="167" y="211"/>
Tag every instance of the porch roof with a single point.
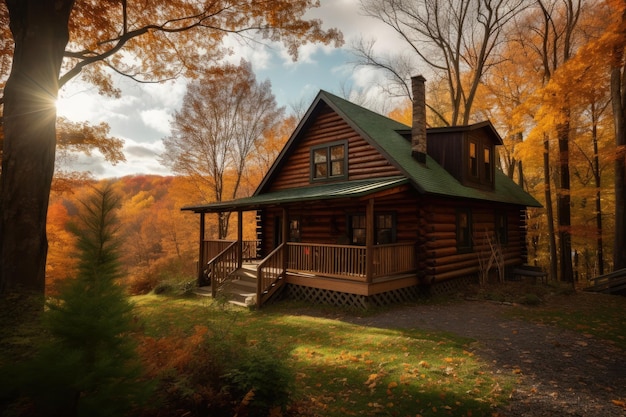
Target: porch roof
<point x="338" y="190"/>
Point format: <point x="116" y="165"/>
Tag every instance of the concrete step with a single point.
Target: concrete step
<point x="203" y="291"/>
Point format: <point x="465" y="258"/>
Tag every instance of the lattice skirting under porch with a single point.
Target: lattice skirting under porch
<point x="321" y="296"/>
<point x="402" y="295"/>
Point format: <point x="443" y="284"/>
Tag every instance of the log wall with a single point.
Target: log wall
<point x="364" y="161"/>
<point x="328" y="223"/>
<point x="429" y="221"/>
<point x="439" y="258"/>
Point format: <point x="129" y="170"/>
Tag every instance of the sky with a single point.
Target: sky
<point x="141" y="117"/>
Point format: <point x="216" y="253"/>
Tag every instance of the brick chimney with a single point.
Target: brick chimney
<point x="418" y="129"/>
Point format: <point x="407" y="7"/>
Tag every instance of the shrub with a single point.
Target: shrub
<point x="530" y="299"/>
<point x="142" y="282"/>
<point x="262" y="379"/>
<point x="162" y="276"/>
<point x="215" y="373"/>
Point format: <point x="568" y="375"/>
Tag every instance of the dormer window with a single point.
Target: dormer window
<point x="329" y="162"/>
<point x="480" y="162"/>
<point x="473" y="159"/>
<point x="487" y="163"/>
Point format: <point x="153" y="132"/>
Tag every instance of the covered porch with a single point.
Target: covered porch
<point x="352" y="270"/>
<point x="322" y="255"/>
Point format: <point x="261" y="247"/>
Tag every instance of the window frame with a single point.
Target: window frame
<point x="295" y="229"/>
<point x="393" y="229"/>
<point x="351" y="228"/>
<point x="472" y="160"/>
<point x="329" y="161"/>
<point x="501" y="231"/>
<point x="465" y="244"/>
<point x="488" y="165"/>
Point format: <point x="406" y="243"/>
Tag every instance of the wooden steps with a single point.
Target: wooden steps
<point x="240" y="290"/>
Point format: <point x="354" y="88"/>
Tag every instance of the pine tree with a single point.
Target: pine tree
<point x="89" y="366"/>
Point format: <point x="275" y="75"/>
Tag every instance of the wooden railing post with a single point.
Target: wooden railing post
<point x="201" y="261"/>
<point x="285" y="239"/>
<point x="239" y="239"/>
<point x="369" y="240"/>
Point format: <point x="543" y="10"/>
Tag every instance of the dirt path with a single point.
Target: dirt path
<point x="562" y="373"/>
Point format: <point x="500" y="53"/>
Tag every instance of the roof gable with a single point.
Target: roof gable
<point x="388" y="137"/>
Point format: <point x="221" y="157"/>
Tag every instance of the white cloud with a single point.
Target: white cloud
<point x="141" y="116"/>
<point x="141" y="158"/>
<point x="259" y="54"/>
<point x="168" y="95"/>
<point x="158" y="119"/>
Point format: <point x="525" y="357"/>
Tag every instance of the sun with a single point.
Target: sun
<point x="74" y="107"/>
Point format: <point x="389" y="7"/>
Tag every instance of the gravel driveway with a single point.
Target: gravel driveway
<point x="562" y="372"/>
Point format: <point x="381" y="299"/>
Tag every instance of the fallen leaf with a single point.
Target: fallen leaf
<point x="619" y="403"/>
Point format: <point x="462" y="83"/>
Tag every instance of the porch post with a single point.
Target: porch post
<point x="239" y="238"/>
<point x="201" y="260"/>
<point x="285" y="238"/>
<point x="369" y="240"/>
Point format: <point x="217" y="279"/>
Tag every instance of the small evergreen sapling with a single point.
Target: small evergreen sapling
<point x="89" y="367"/>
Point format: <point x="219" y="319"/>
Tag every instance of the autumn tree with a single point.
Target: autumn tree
<point x="223" y="117"/>
<point x="459" y="40"/>
<point x="615" y="38"/>
<point x="549" y="32"/>
<point x="53" y="42"/>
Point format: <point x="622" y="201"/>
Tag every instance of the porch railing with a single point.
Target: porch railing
<point x="396" y="258"/>
<point x="212" y="248"/>
<point x="350" y="262"/>
<point x="336" y="261"/>
<point x="221" y="266"/>
<point x="270" y="275"/>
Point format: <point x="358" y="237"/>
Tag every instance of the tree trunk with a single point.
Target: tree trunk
<point x="563" y="203"/>
<point x="40" y="32"/>
<point x="618" y="95"/>
<point x="549" y="211"/>
<point x="597" y="182"/>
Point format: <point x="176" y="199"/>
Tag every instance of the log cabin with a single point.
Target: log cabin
<point x="359" y="210"/>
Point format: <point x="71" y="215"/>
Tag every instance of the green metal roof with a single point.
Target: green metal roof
<point x="348" y="189"/>
<point x="384" y="134"/>
<point x="431" y="177"/>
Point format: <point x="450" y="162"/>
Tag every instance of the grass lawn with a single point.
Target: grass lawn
<point x="345" y="369"/>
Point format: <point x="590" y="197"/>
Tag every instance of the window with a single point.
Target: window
<point x="463" y="230"/>
<point x="502" y="227"/>
<point x="487" y="163"/>
<point x="329" y="161"/>
<point x="357" y="229"/>
<point x="473" y="159"/>
<point x="384" y="229"/>
<point x="294" y="230"/>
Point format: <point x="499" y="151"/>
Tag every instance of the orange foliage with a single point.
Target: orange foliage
<point x="403" y="114"/>
<point x="61" y="263"/>
<point x="174" y="352"/>
<point x="159" y="240"/>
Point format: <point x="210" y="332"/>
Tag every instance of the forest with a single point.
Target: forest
<point x="549" y="74"/>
